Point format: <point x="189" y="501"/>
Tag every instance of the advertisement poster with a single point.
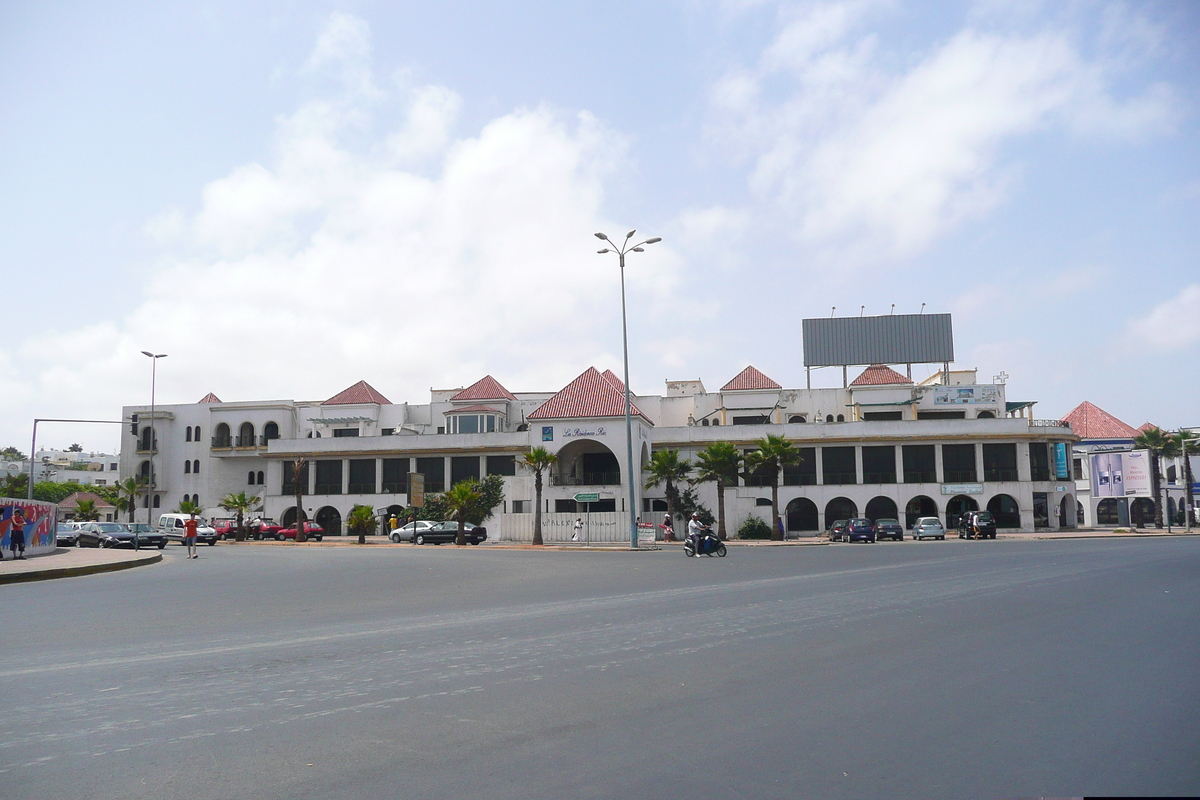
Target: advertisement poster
<point x="1121" y="474"/>
<point x="1061" y="469"/>
<point x="956" y="395"/>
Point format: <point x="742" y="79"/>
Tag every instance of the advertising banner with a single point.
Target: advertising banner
<point x="1061" y="468"/>
<point x="957" y="395"/>
<point x="1121" y="474"/>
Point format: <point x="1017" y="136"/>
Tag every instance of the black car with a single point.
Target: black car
<point x="447" y="531"/>
<point x="837" y="531"/>
<point x="66" y="534"/>
<point x="114" y="534"/>
<point x="886" y="528"/>
<point x="977" y="525"/>
<point x="860" y="529"/>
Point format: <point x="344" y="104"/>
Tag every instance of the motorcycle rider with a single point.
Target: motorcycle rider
<point x="696" y="531"/>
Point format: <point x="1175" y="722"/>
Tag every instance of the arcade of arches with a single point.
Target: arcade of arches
<point x="802" y="514"/>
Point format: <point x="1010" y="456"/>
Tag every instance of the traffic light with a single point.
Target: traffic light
<point x="133" y="424"/>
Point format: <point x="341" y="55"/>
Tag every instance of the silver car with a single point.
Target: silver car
<point x="928" y="528"/>
<point x="408" y="533"/>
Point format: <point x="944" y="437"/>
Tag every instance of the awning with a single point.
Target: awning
<point x="1011" y="407"/>
<point x="340" y="420"/>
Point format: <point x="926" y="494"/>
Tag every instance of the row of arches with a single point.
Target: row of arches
<point x="803" y="515"/>
<point x="223" y="436"/>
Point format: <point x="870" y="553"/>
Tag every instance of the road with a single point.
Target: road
<point x="922" y="670"/>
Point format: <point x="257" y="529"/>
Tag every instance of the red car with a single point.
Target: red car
<point x="263" y="528"/>
<point x="311" y="530"/>
<point x="225" y="528"/>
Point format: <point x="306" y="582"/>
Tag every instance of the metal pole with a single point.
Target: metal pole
<point x="153" y="436"/>
<point x="633" y="531"/>
<point x="32" y="450"/>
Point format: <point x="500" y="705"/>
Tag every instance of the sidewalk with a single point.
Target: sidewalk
<point x="65" y="562"/>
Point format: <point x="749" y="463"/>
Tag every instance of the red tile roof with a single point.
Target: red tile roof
<point x="358" y="394"/>
<point x="879" y="375"/>
<point x="614" y="380"/>
<point x="749" y="379"/>
<point x="1092" y="422"/>
<point x="1148" y="426"/>
<point x="72" y="500"/>
<point x="486" y="388"/>
<point x="210" y="398"/>
<point x="477" y="409"/>
<point x="589" y="395"/>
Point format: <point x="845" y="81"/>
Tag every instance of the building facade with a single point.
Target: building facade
<point x="880" y="447"/>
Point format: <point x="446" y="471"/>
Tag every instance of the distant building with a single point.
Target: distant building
<point x="881" y="446"/>
<point x="69" y="508"/>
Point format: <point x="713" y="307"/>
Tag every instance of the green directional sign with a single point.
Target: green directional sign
<point x="587" y="497"/>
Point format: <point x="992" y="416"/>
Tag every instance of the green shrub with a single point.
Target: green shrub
<point x="754" y="528"/>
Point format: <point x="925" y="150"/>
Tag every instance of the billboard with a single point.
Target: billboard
<point x="1121" y="474"/>
<point x="892" y="339"/>
<point x="958" y="395"/>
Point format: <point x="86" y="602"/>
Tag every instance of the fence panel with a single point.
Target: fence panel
<point x="603" y="527"/>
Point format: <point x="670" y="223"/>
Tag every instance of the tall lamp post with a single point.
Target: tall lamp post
<point x="624" y="248"/>
<point x="154" y="357"/>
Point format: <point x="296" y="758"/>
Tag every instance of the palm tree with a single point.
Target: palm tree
<point x="127" y="495"/>
<point x="360" y="520"/>
<point x="299" y="484"/>
<point x="719" y="463"/>
<point x="538" y="459"/>
<point x="665" y="467"/>
<point x="239" y="504"/>
<point x="86" y="510"/>
<point x="1188" y="441"/>
<point x="773" y="454"/>
<point x="461" y="498"/>
<point x="189" y="508"/>
<point x="1158" y="444"/>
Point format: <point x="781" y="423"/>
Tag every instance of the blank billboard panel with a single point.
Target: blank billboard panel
<point x="894" y="339"/>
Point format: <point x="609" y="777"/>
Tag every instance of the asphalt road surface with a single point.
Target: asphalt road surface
<point x="922" y="670"/>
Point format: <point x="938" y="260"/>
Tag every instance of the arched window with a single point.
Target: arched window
<point x="829" y="417"/>
<point x="270" y="431"/>
<point x="221" y="437"/>
<point x="985" y="415"/>
<point x="260" y="477"/>
<point x="841" y="417"/>
<point x="187" y="467"/>
<point x="156" y="499"/>
<point x="148" y="437"/>
<point x="797" y="418"/>
<point x="144" y="471"/>
<point x="246" y="435"/>
<point x="250" y="477"/>
<point x="197" y="437"/>
<point x="196" y="466"/>
<point x="189" y="433"/>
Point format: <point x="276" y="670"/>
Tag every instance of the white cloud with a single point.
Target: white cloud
<point x="1172" y="325"/>
<point x="877" y="161"/>
<point x="332" y="264"/>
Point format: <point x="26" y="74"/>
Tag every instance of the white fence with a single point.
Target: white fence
<point x="606" y="526"/>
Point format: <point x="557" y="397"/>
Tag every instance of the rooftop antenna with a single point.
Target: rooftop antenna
<point x="922" y="308"/>
<point x="893" y="308"/>
<point x="831" y="312"/>
<point x="861" y="309"/>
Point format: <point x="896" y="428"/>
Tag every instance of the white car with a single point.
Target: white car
<point x="406" y="533"/>
<point x="928" y="528"/>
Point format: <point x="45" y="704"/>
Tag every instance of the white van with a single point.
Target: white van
<point x="172" y="526"/>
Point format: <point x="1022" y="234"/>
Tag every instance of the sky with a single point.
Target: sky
<point x="289" y="197"/>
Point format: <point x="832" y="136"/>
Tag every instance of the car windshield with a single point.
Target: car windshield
<point x="928" y="521"/>
<point x="887" y="522"/>
<point x="983" y="516"/>
<point x="860" y="522"/>
<point x="138" y="527"/>
<point x="109" y="527"/>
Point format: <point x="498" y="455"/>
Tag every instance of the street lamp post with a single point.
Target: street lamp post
<point x="154" y="357"/>
<point x="621" y="251"/>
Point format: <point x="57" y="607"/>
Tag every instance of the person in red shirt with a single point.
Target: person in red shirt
<point x="189" y="537"/>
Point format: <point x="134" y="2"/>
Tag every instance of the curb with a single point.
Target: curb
<point x="83" y="569"/>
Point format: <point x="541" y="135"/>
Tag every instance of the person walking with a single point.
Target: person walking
<point x="668" y="528"/>
<point x="578" y="529"/>
<point x="189" y="536"/>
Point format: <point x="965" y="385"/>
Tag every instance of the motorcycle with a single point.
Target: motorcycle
<point x="705" y="544"/>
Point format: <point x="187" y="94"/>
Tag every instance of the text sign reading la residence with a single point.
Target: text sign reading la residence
<point x="962" y="488"/>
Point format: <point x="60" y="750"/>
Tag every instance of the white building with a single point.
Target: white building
<point x="880" y="447"/>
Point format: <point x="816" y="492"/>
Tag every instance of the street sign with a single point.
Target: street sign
<point x="416" y="489"/>
<point x="587" y="497"/>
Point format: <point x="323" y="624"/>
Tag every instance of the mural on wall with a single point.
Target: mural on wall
<point x="35" y="519"/>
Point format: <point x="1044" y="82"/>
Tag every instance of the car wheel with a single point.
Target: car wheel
<point x="280" y="537"/>
<point x="162" y="545"/>
<point x="395" y="537"/>
<point x="474" y="541"/>
<point x="318" y="538"/>
<point x="420" y="539"/>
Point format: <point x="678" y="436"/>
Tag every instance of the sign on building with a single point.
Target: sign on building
<point x="416" y="489"/>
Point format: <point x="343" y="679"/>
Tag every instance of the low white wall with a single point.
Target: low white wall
<point x="607" y="526"/>
<point x="41" y="524"/>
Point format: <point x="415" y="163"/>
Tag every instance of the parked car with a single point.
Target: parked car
<point x="225" y="528"/>
<point x="447" y="531"/>
<point x="114" y="534"/>
<point x="977" y="525"/>
<point x="172" y="526"/>
<point x="145" y="534"/>
<point x="837" y="531"/>
<point x="928" y="528"/>
<point x="311" y="529"/>
<point x="886" y="528"/>
<point x="860" y="529"/>
<point x="405" y="532"/>
<point x="66" y="534"/>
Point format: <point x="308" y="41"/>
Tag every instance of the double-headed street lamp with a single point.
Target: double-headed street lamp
<point x="621" y="251"/>
<point x="154" y="357"/>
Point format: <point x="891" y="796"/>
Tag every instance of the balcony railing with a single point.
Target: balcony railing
<point x="395" y="487"/>
<point x="222" y="441"/>
<point x="328" y="488"/>
<point x="917" y="476"/>
<point x="589" y="479"/>
<point x="996" y="474"/>
<point x="960" y="476"/>
<point x="1049" y="423"/>
<point x="245" y="441"/>
<point x="840" y="478"/>
<point x="262" y="440"/>
<point x="800" y="479"/>
<point x="362" y="488"/>
<point x="879" y="477"/>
